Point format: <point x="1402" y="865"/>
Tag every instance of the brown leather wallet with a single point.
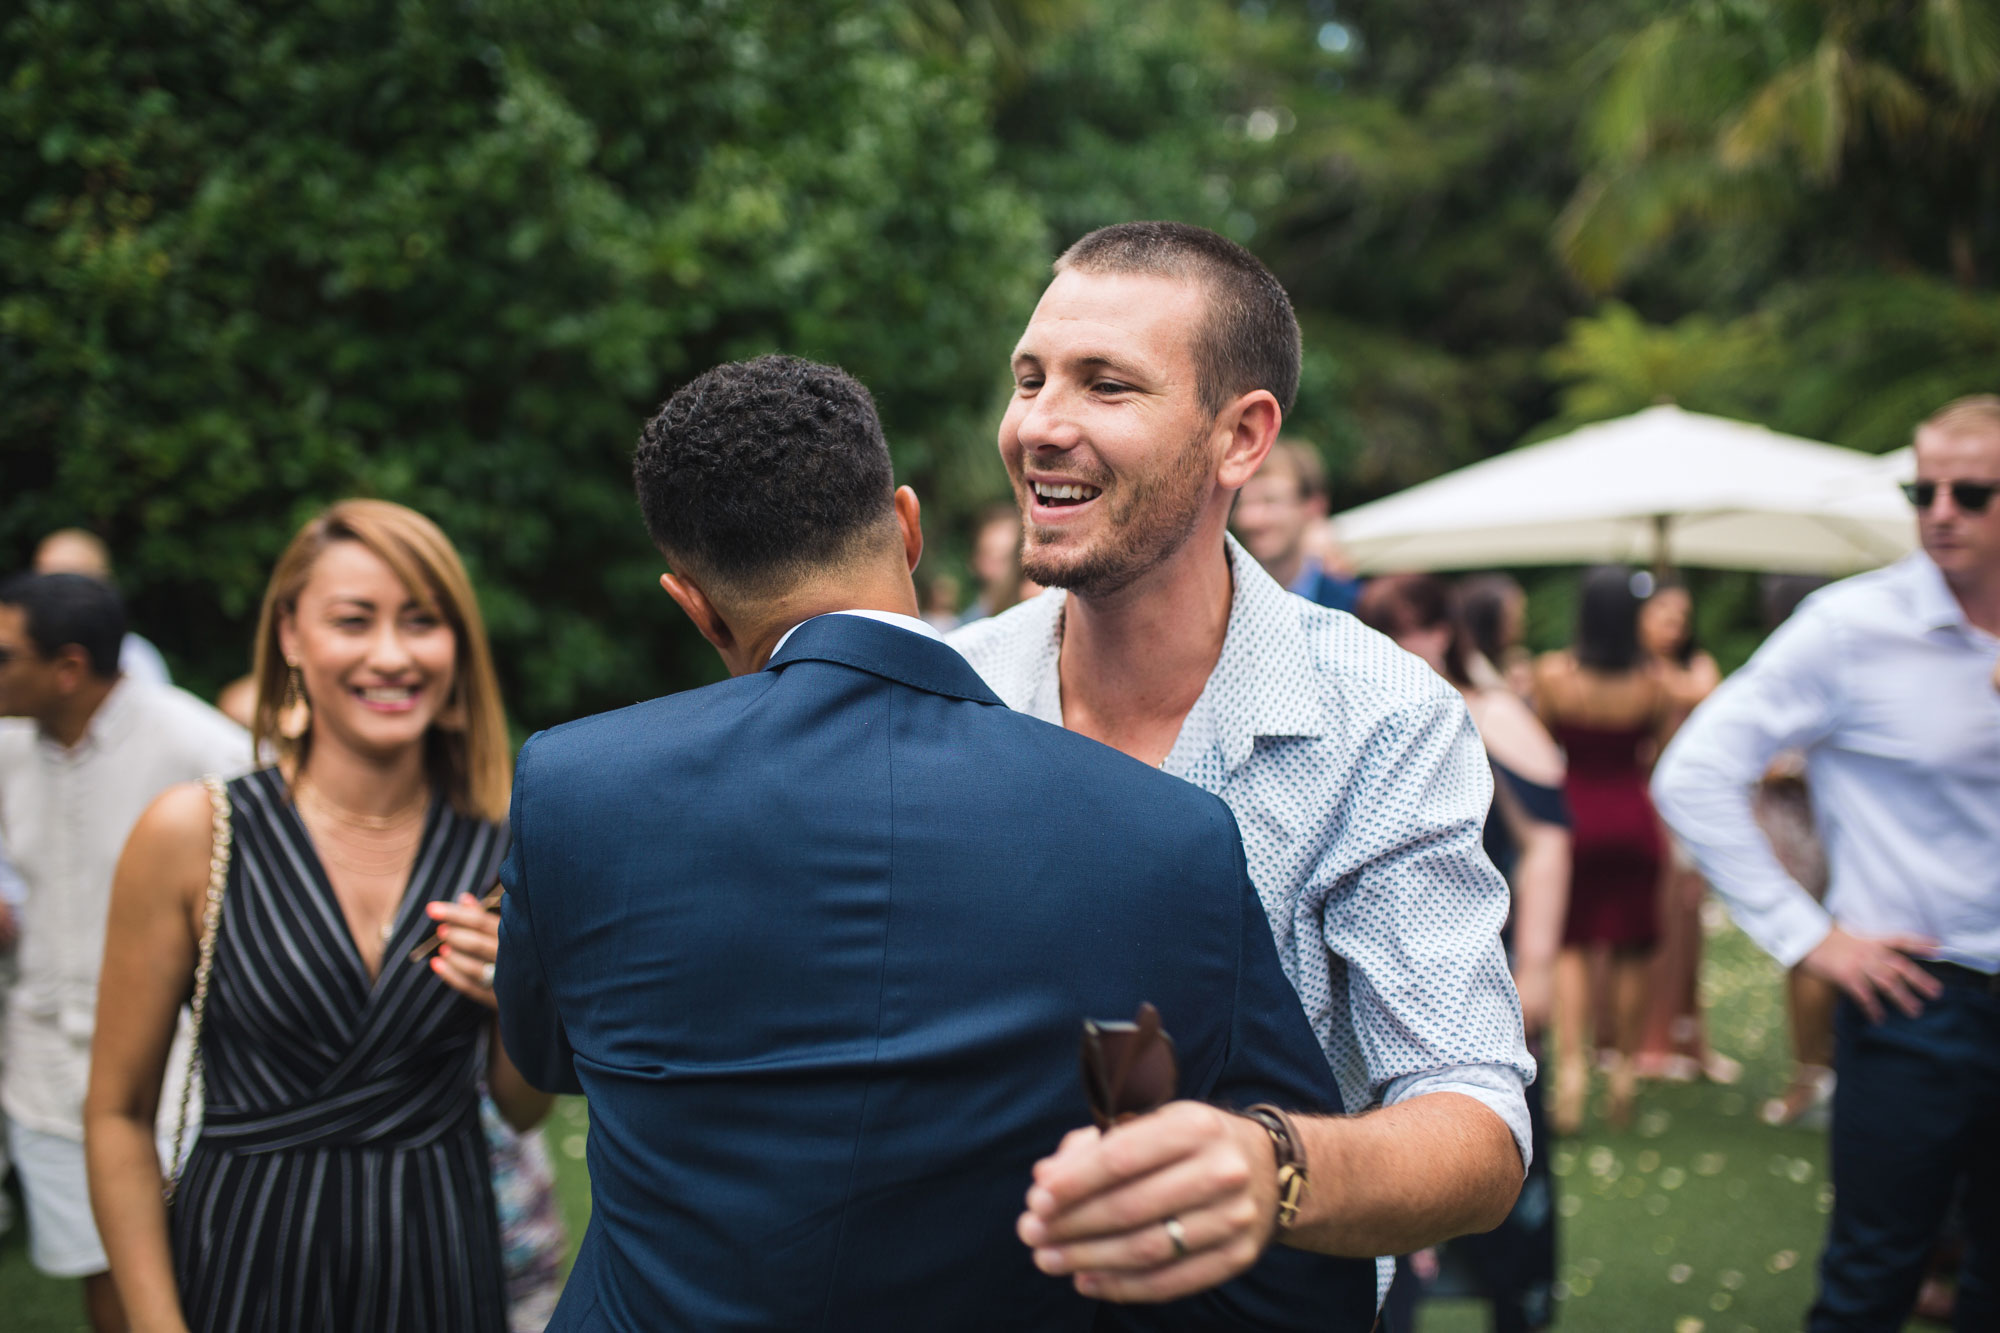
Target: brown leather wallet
<point x="1128" y="1068"/>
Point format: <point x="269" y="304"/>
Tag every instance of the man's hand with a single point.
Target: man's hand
<point x="1864" y="965"/>
<point x="1099" y="1207"/>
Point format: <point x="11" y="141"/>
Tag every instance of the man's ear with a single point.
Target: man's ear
<point x="691" y="599"/>
<point x="72" y="667"/>
<point x="1252" y="422"/>
<point x="909" y="517"/>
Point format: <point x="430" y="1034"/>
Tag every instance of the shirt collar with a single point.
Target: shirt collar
<point x="106" y="725"/>
<point x="1931" y="599"/>
<point x="896" y="618"/>
<point x="1261" y="685"/>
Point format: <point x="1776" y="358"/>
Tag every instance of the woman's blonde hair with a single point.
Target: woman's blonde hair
<point x="470" y="762"/>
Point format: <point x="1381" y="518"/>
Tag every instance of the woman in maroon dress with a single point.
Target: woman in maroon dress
<point x="1610" y="713"/>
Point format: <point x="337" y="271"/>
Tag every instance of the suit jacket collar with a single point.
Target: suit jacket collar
<point x="886" y="651"/>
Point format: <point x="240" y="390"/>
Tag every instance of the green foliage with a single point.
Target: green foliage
<point x="258" y="257"/>
<point x="1808" y="196"/>
<point x="255" y="257"/>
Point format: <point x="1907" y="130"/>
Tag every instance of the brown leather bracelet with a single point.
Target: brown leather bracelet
<point x="1287" y="1147"/>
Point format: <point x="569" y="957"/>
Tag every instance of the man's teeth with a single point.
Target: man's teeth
<point x="1048" y="492"/>
<point x="385" y="695"/>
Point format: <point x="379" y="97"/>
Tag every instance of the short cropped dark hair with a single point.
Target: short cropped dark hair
<point x="65" y="609"/>
<point x="761" y="471"/>
<point x="1250" y="339"/>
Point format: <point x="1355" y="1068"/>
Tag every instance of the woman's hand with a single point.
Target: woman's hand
<point x="468" y="947"/>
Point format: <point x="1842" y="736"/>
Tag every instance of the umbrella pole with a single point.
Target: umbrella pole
<point x="1662" y="552"/>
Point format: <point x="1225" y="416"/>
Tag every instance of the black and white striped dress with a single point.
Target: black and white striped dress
<point x="341" y="1177"/>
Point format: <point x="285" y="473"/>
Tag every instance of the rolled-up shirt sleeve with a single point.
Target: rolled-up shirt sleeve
<point x="1417" y="921"/>
<point x="1786" y="697"/>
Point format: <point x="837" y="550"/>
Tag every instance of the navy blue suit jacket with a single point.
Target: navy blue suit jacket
<point x="818" y="942"/>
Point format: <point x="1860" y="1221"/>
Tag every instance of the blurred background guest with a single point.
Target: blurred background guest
<point x="75" y="551"/>
<point x="93" y="749"/>
<point x="1883" y="681"/>
<point x="1277" y="514"/>
<point x="1493" y="613"/>
<point x="996" y="563"/>
<point x="1782" y="807"/>
<point x="1610" y="714"/>
<point x="941" y="603"/>
<point x="1513" y="1267"/>
<point x="13" y="895"/>
<point x="328" y="1051"/>
<point x="237" y="700"/>
<point x="1673" y="1040"/>
<point x="533" y="1238"/>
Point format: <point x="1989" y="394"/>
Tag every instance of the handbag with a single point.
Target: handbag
<point x="211" y="918"/>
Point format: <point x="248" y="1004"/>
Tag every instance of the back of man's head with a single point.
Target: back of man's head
<point x="1250" y="338"/>
<point x="63" y="610"/>
<point x="762" y="474"/>
<point x="74" y="551"/>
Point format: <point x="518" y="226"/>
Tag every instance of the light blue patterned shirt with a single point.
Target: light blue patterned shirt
<point x="1361" y="791"/>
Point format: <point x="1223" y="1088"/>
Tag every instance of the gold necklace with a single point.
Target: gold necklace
<point x="371" y="845"/>
<point x="394" y="820"/>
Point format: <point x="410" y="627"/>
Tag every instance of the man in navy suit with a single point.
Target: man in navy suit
<point x="817" y="941"/>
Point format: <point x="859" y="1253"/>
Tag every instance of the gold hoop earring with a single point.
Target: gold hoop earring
<point x="295" y="713"/>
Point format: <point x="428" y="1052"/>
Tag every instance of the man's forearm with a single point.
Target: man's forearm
<point x="1404" y="1177"/>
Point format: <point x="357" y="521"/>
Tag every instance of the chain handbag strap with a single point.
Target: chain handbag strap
<point x="211" y="918"/>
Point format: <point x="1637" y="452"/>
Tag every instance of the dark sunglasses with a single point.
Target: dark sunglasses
<point x="1128" y="1068"/>
<point x="1970" y="496"/>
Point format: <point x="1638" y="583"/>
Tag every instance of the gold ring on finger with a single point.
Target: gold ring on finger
<point x="1178" y="1235"/>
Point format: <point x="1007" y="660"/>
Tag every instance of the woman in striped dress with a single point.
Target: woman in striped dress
<point x="340" y="1180"/>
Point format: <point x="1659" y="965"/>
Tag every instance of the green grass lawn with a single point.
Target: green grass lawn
<point x="1698" y="1219"/>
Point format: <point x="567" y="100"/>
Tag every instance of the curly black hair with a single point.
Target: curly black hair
<point x="761" y="470"/>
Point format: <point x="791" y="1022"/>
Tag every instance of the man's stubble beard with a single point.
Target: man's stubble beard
<point x="1148" y="523"/>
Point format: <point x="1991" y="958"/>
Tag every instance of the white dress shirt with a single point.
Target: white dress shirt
<point x="64" y="818"/>
<point x="1361" y="790"/>
<point x="896" y="618"/>
<point x="1889" y="691"/>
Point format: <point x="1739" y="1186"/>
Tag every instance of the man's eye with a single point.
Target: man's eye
<point x="1027" y="384"/>
<point x="1111" y="386"/>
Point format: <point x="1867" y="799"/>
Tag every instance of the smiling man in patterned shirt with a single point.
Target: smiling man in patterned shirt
<point x="1149" y="385"/>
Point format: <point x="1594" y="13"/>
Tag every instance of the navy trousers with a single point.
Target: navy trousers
<point x="1915" y="1115"/>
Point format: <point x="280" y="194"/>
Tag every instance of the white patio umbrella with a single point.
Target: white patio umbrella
<point x="1661" y="486"/>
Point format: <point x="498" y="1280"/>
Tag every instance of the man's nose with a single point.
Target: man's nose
<point x="1050" y="421"/>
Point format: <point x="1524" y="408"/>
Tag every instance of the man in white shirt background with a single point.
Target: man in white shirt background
<point x="1149" y="386"/>
<point x="1885" y="681"/>
<point x="90" y="750"/>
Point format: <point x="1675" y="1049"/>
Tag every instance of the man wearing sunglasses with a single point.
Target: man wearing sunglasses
<point x="1885" y="682"/>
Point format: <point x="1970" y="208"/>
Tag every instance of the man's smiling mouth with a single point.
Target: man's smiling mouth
<point x="1072" y="493"/>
